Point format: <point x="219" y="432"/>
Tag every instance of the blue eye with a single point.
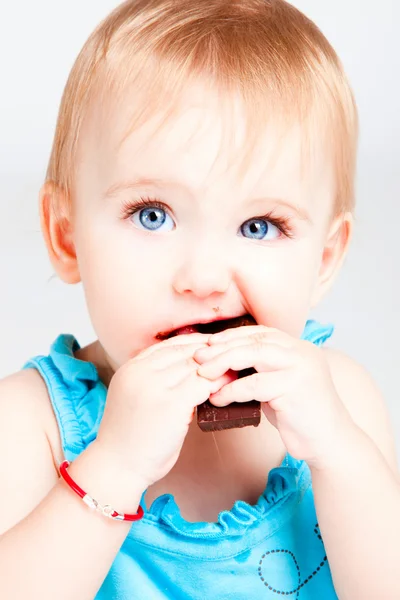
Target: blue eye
<point x="152" y="218"/>
<point x="152" y="215"/>
<point x="260" y="229"/>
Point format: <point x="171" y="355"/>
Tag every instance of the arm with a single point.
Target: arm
<point x="357" y="500"/>
<point x="66" y="549"/>
<point x="357" y="495"/>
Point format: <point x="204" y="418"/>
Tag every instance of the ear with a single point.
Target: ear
<point x="56" y="223"/>
<point x="334" y="252"/>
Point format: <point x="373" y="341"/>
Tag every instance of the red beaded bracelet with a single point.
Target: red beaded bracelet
<point x="107" y="510"/>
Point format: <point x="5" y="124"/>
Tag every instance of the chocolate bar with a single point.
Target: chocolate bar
<point x="236" y="414"/>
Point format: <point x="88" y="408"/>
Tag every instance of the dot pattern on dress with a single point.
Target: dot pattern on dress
<point x="292" y="557"/>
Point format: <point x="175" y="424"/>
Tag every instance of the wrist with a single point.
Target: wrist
<point x="100" y="475"/>
<point x="339" y="448"/>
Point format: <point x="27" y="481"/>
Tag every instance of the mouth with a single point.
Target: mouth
<point x="211" y="327"/>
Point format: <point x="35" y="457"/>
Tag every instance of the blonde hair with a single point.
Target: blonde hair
<point x="265" y="51"/>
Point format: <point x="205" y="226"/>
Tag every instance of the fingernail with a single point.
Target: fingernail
<point x="202" y="370"/>
<point x="202" y="352"/>
<point x="216" y="337"/>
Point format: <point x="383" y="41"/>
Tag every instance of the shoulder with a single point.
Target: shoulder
<point x="25" y="401"/>
<point x="28" y="464"/>
<point x="364" y="401"/>
<point x="23" y="392"/>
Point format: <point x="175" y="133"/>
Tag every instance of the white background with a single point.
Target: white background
<point x="38" y="45"/>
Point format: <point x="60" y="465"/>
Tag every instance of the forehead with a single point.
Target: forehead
<point x="202" y="146"/>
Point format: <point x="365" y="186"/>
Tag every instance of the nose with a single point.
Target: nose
<point x="204" y="269"/>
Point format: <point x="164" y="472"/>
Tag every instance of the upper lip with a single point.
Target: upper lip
<point x="198" y="321"/>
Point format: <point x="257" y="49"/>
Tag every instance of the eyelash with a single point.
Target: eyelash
<point x="130" y="207"/>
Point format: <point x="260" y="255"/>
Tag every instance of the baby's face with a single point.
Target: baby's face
<point x="208" y="244"/>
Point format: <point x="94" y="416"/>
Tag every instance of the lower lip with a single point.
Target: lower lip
<point x="182" y="331"/>
<point x="185" y="331"/>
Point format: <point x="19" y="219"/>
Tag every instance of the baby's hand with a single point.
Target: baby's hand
<point x="293" y="382"/>
<point x="150" y="405"/>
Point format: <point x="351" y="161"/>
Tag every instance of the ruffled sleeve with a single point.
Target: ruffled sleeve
<point x="316" y="333"/>
<point x="77" y="394"/>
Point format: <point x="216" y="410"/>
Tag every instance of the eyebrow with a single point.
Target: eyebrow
<point x="140" y="182"/>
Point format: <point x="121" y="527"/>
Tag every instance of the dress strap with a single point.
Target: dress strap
<point x="76" y="392"/>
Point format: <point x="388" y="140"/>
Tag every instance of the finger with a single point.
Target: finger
<point x="180" y="364"/>
<point x="197" y="389"/>
<point x="211" y="351"/>
<point x="165" y="358"/>
<point x="268" y="357"/>
<point x="177" y="341"/>
<point x="264" y="387"/>
<point x="206" y="353"/>
<point x="238" y="332"/>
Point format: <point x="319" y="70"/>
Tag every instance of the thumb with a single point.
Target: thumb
<point x="269" y="413"/>
<point x="218" y="384"/>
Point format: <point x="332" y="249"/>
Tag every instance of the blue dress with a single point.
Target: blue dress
<point x="259" y="552"/>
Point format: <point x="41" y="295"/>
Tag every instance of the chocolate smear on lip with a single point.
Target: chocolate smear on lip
<point x="212" y="327"/>
<point x="236" y="414"/>
<point x="165" y="335"/>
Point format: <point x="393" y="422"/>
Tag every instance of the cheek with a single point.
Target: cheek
<point x="119" y="277"/>
<point x="281" y="290"/>
<point x="281" y="270"/>
<point x="113" y="260"/>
